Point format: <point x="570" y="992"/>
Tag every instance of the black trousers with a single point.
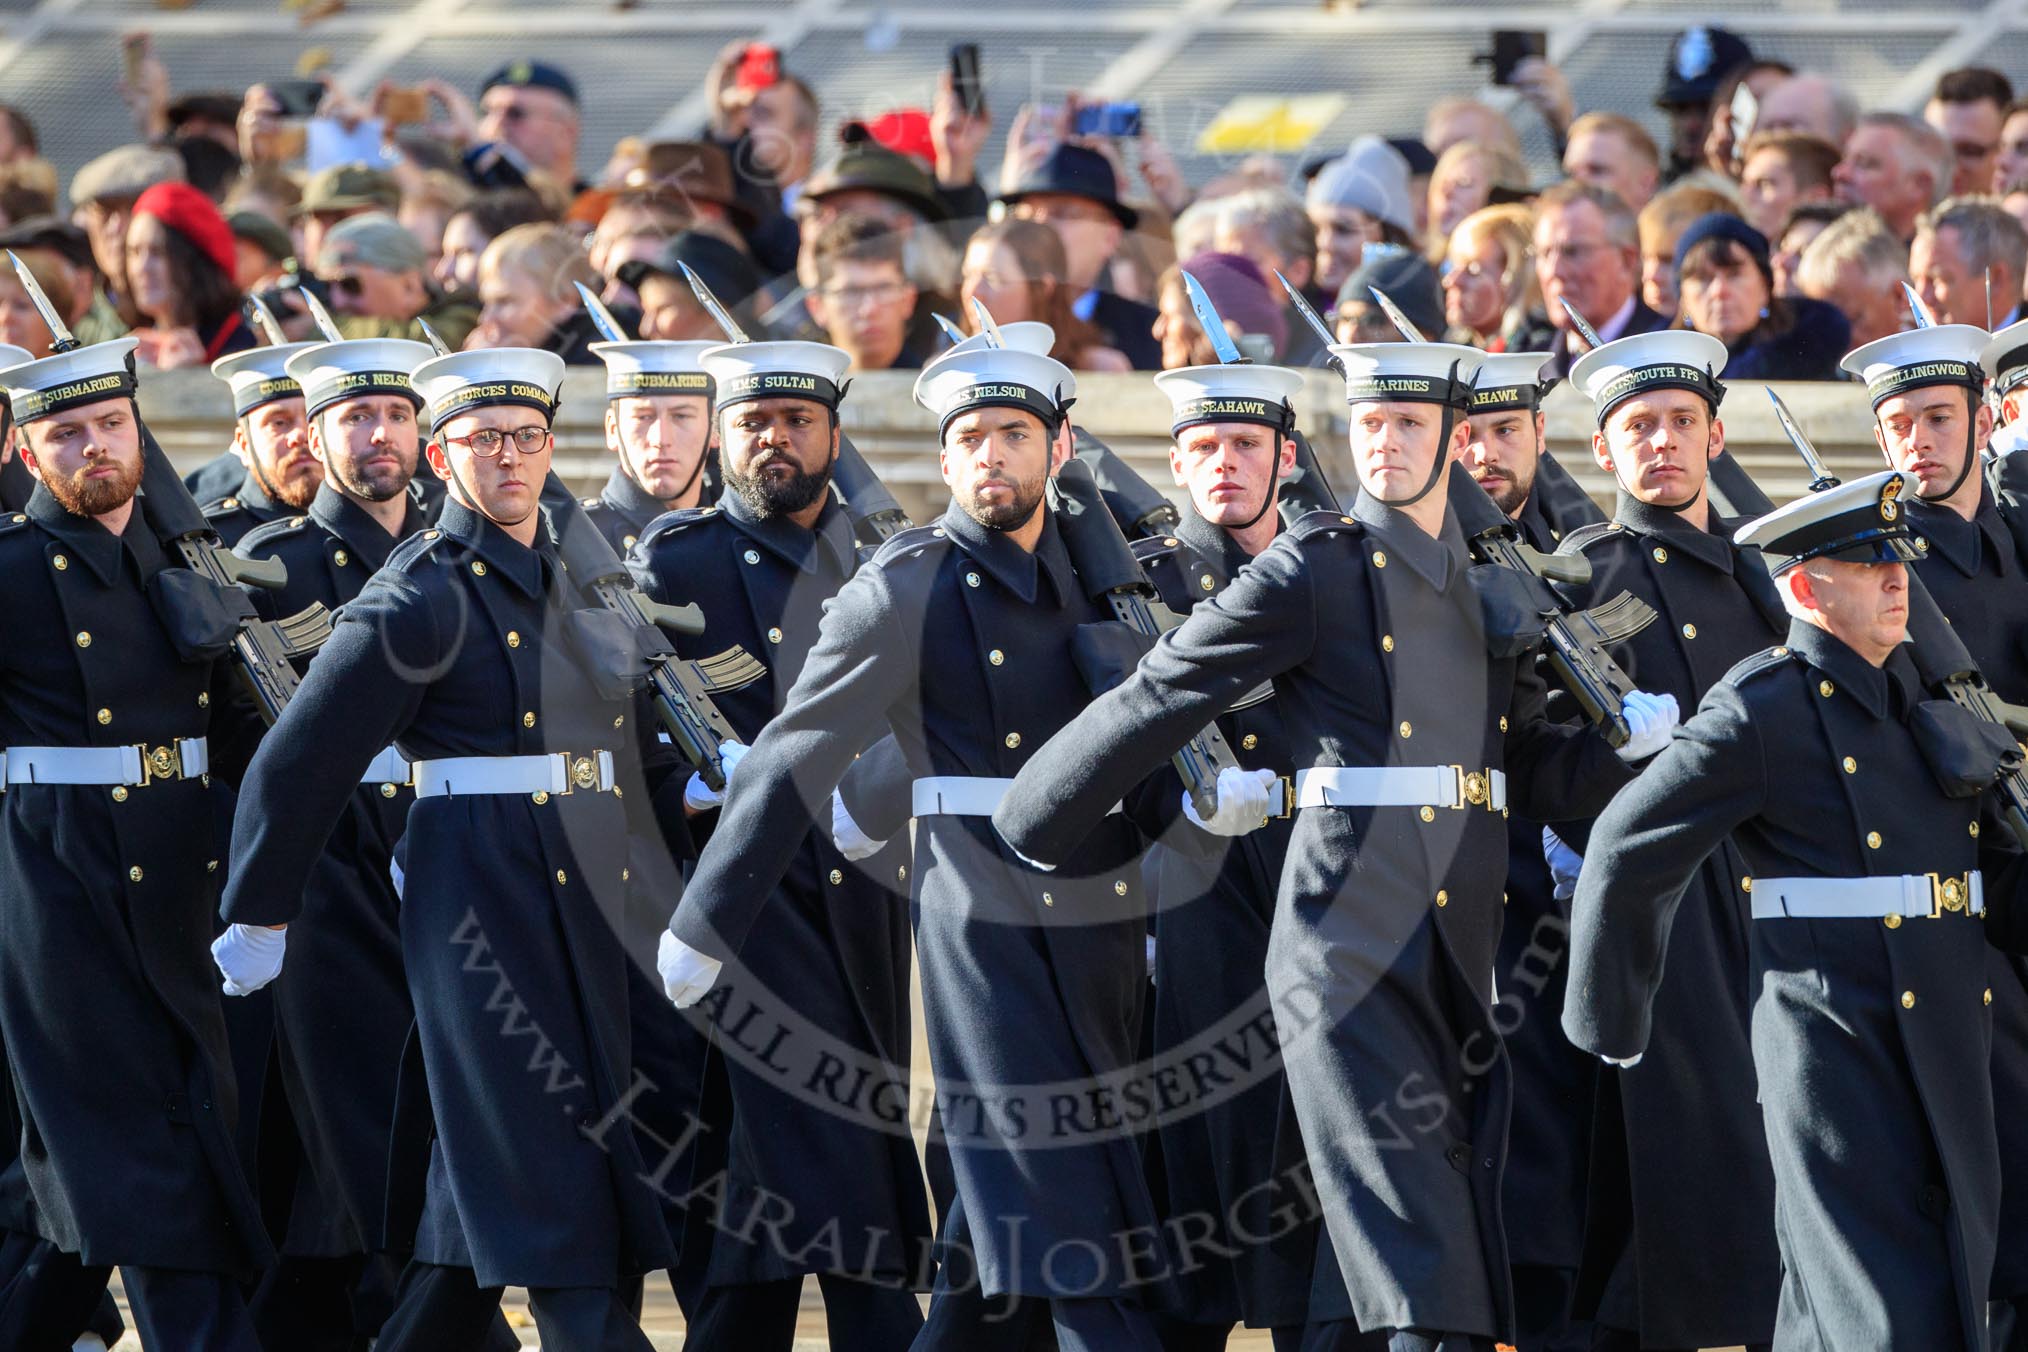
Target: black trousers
<point x="20" y="1254"/>
<point x="444" y="1309"/>
<point x="53" y="1296"/>
<point x="964" y="1320"/>
<point x="761" y="1317"/>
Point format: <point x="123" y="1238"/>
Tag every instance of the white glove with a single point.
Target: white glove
<point x="1243" y="799"/>
<point x="248" y="956"/>
<point x="701" y="797"/>
<point x="1563" y="862"/>
<point x="1650" y="718"/>
<point x="1627" y="1063"/>
<point x="852" y="842"/>
<point x="686" y="973"/>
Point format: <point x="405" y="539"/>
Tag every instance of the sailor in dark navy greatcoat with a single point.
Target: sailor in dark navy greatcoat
<point x="1680" y="1250"/>
<point x="964" y="638"/>
<point x="472" y="651"/>
<point x="659" y="429"/>
<point x="112" y="710"/>
<point x="1877" y="883"/>
<point x="831" y="953"/>
<point x="1413" y="725"/>
<point x="342" y="1020"/>
<point x="1231" y="1164"/>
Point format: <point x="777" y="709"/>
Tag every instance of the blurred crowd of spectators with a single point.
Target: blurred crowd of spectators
<point x="1777" y="217"/>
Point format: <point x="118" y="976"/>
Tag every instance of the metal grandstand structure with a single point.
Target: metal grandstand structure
<point x="641" y="65"/>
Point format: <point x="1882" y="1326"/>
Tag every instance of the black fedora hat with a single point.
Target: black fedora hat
<point x="1075" y="171"/>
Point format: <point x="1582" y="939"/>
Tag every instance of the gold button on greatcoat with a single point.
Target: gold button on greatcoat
<point x="134" y="874"/>
<point x="1013" y="740"/>
<point x="1908" y="999"/>
<point x="478" y="568"/>
<point x="528" y="719"/>
<point x="1872" y="840"/>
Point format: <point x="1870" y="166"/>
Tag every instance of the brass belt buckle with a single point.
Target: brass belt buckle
<point x="1478" y="786"/>
<point x="1288" y="783"/>
<point x="160" y="762"/>
<point x="580" y="772"/>
<point x="1948" y="894"/>
<point x="1458" y="801"/>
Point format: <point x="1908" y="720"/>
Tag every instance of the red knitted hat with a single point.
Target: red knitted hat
<point x="195" y="217"/>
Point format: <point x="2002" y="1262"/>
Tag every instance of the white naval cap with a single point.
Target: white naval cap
<point x="1859" y="522"/>
<point x="331" y="373"/>
<point x="459" y="382"/>
<point x="1507" y="380"/>
<point x="1669" y="359"/>
<point x="84" y="375"/>
<point x="966" y="377"/>
<point x="260" y="376"/>
<point x="1027" y="335"/>
<point x="777" y="370"/>
<point x="1944" y="354"/>
<point x="1242" y="392"/>
<point x="2005" y="357"/>
<point x="1420" y="373"/>
<point x="650" y="366"/>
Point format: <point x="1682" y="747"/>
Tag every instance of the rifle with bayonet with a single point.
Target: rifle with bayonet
<point x="1575" y="642"/>
<point x="875" y="514"/>
<point x="1945" y="666"/>
<point x="1107" y="568"/>
<point x="262" y="649"/>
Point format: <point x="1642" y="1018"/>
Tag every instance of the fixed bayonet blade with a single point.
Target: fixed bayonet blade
<point x="58" y="330"/>
<point x="326" y="325"/>
<point x="264" y="319"/>
<point x="604" y="320"/>
<point x="1583" y="327"/>
<point x="1393" y="312"/>
<point x="1821" y="477"/>
<point x="1213" y="325"/>
<point x="435" y="339"/>
<point x="951" y="331"/>
<point x="1307" y="311"/>
<point x="733" y="332"/>
<point x="986" y="324"/>
<point x="1923" y="318"/>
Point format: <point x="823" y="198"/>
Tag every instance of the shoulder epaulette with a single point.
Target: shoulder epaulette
<point x="1584" y="537"/>
<point x="1322" y="523"/>
<point x="224" y="506"/>
<point x="1768" y="659"/>
<point x="1152" y="548"/>
<point x="901" y="545"/>
<point x="670" y="522"/>
<point x="271" y="530"/>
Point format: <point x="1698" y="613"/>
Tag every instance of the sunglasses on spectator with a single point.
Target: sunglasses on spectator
<point x="488" y="442"/>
